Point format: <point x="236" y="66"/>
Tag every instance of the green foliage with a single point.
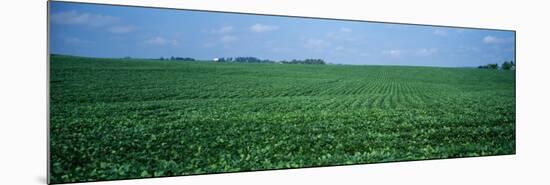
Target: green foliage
<point x="179" y="58"/>
<point x="306" y="61"/>
<point x="265" y="61"/>
<point x="492" y="66"/>
<point x="117" y="119"/>
<point x="507" y="65"/>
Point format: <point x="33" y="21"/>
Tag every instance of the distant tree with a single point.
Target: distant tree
<point x="306" y="61"/>
<point x="257" y="60"/>
<point x="314" y="61"/>
<point x="185" y="59"/>
<point x="507" y="65"/>
<point x="248" y="60"/>
<point x="492" y="66"/>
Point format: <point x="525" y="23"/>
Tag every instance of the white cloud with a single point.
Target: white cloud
<point x="75" y="41"/>
<point x="439" y="32"/>
<point x="259" y="28"/>
<point x="426" y="51"/>
<point x="343" y="34"/>
<point x="72" y="40"/>
<point x="316" y="44"/>
<point x="228" y="39"/>
<point x="280" y="50"/>
<point x="338" y="49"/>
<point x="364" y="54"/>
<point x="224" y="29"/>
<point x="78" y="18"/>
<point x="121" y="29"/>
<point x="161" y="41"/>
<point x="461" y="30"/>
<point x="208" y="45"/>
<point x="493" y="40"/>
<point x="392" y="52"/>
<point x="346" y="30"/>
<point x="89" y="19"/>
<point x="469" y="49"/>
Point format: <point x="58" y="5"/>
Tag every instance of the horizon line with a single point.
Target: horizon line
<point x="211" y="60"/>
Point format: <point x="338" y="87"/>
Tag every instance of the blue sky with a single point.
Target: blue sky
<point x="117" y="31"/>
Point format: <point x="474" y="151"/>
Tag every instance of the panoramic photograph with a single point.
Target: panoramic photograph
<point x="138" y="92"/>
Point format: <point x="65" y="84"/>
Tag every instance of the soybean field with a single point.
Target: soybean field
<point x="132" y="118"/>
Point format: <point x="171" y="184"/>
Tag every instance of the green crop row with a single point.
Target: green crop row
<point x="118" y="119"/>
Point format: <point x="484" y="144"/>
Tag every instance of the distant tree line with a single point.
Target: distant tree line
<point x="506" y="65"/>
<point x="306" y="61"/>
<point x="244" y="60"/>
<point x="178" y="58"/>
<point x="248" y="60"/>
<point x="257" y="60"/>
